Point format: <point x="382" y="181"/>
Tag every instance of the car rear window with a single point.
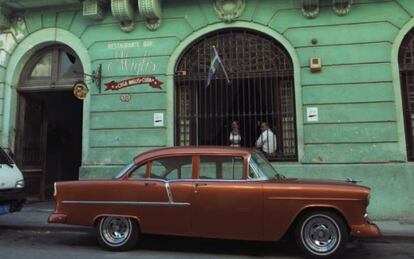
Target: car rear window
<point x="171" y="168"/>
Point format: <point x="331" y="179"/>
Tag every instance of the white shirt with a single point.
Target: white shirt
<point x="267" y="141"/>
<point x="235" y="140"/>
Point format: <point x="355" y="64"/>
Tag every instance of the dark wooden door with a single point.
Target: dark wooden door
<point x="31" y="144"/>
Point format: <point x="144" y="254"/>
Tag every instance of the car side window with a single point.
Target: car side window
<point x="172" y="168"/>
<point x="139" y="173"/>
<point x="208" y="169"/>
<point x="221" y="167"/>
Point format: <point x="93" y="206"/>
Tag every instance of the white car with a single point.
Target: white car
<point x="12" y="195"/>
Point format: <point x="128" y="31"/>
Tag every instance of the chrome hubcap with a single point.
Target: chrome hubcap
<point x="116" y="231"/>
<point x="321" y="234"/>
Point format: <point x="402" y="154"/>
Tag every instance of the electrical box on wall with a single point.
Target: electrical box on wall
<point x="315" y="64"/>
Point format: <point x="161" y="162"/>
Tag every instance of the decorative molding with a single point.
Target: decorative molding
<point x="18" y="27"/>
<point x="4" y="18"/>
<point x="93" y="9"/>
<point x="341" y="7"/>
<point x="153" y="24"/>
<point x="151" y="10"/>
<point x="229" y="10"/>
<point x="124" y="11"/>
<point x="310" y="8"/>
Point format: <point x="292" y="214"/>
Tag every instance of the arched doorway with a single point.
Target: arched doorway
<point x="261" y="89"/>
<point x="406" y="63"/>
<point x="49" y="120"/>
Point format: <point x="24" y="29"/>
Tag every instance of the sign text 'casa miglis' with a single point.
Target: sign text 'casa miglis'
<point x="150" y="80"/>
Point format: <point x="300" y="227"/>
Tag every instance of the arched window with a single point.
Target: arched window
<point x="51" y="68"/>
<point x="261" y="90"/>
<point x="406" y="62"/>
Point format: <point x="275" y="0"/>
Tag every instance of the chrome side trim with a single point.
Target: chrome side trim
<point x="131" y="203"/>
<point x="313" y="199"/>
<point x="169" y="194"/>
<point x="218" y="180"/>
<point x="197" y="179"/>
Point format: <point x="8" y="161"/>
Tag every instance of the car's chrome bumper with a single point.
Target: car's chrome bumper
<point x="57" y="218"/>
<point x="368" y="230"/>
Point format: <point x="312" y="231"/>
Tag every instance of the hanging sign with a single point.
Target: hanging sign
<point x="151" y="80"/>
<point x="80" y="90"/>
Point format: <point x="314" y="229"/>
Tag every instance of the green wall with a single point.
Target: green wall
<point x="360" y="131"/>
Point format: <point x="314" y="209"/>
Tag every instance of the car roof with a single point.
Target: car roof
<point x="192" y="150"/>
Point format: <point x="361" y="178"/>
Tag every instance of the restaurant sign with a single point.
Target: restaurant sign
<point x="150" y="80"/>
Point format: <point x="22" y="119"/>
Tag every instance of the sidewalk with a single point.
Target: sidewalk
<point x="396" y="229"/>
<point x="34" y="217"/>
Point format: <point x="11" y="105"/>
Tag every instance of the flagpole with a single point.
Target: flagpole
<point x="222" y="66"/>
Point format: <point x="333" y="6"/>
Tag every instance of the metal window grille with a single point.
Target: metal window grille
<point x="261" y="89"/>
<point x="406" y="61"/>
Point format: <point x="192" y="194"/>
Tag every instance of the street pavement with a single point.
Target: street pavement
<point x="27" y="235"/>
<point x="33" y="244"/>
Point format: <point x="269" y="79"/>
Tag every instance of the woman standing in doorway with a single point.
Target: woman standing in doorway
<point x="235" y="137"/>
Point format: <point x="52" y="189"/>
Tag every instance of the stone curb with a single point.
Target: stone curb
<point x="47" y="228"/>
<point x="393" y="238"/>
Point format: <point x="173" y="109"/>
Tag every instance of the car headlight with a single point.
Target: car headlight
<point x="19" y="184"/>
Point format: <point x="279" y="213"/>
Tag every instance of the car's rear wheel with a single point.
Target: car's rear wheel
<point x="321" y="234"/>
<point x="117" y="233"/>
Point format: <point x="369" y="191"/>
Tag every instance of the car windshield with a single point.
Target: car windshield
<point x="5" y="158"/>
<point x="123" y="171"/>
<point x="265" y="167"/>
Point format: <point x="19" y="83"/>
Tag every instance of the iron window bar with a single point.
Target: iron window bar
<point x="406" y="62"/>
<point x="261" y="90"/>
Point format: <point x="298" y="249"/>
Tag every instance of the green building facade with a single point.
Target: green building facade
<point x="349" y="81"/>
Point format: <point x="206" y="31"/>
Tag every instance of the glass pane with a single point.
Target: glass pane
<point x="158" y="170"/>
<point x="43" y="68"/>
<point x="221" y="167"/>
<point x="68" y="64"/>
<point x="4" y="159"/>
<point x="172" y="168"/>
<point x="140" y="172"/>
<point x="233" y="168"/>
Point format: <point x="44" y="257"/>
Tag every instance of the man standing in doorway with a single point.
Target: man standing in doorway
<point x="267" y="140"/>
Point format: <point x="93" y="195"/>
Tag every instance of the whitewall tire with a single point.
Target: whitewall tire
<point x="321" y="234"/>
<point x="117" y="233"/>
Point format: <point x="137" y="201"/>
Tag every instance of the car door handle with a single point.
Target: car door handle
<point x="196" y="185"/>
<point x="150" y="184"/>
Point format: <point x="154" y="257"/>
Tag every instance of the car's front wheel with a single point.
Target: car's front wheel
<point x="117" y="233"/>
<point x="321" y="234"/>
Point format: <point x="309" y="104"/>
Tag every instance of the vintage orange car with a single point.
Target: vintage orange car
<point x="215" y="192"/>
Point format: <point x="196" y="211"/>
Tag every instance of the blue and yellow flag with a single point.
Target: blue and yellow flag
<point x="215" y="63"/>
